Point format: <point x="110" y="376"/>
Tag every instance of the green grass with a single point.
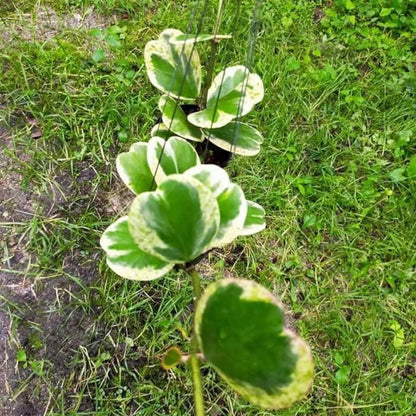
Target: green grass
<point x="338" y="118"/>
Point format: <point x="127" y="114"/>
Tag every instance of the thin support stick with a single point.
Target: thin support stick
<point x="194" y="359"/>
<point x="211" y="63"/>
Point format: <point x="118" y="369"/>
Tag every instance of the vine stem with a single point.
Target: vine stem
<point x="214" y="46"/>
<point x="194" y="360"/>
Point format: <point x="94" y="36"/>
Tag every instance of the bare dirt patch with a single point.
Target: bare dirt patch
<point x="15" y="206"/>
<point x="45" y="23"/>
<point x="38" y="312"/>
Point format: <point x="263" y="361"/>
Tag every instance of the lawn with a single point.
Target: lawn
<point x="336" y="175"/>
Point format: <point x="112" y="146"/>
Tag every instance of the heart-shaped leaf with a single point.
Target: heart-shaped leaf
<point x="230" y="198"/>
<point x="233" y="211"/>
<point x="173" y="69"/>
<point x="134" y="170"/>
<point x="124" y="256"/>
<point x="177" y="222"/>
<point x="165" y="158"/>
<point x="238" y="138"/>
<point x="175" y="119"/>
<point x="254" y="222"/>
<point x="240" y="328"/>
<point x="233" y="93"/>
<point x="212" y="176"/>
<point x="189" y="38"/>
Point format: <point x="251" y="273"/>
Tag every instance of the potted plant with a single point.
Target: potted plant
<point x="211" y="113"/>
<point x="184" y="208"/>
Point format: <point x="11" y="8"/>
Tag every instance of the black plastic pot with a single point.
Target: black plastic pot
<point x="212" y="154"/>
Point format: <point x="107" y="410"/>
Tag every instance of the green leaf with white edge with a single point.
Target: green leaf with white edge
<point x="213" y="177"/>
<point x="230" y="198"/>
<point x="240" y="329"/>
<point x="235" y="84"/>
<point x="254" y="222"/>
<point x="177" y="156"/>
<point x="160" y="130"/>
<point x="238" y="138"/>
<point x="210" y="118"/>
<point x="233" y="93"/>
<point x="233" y="212"/>
<point x="171" y="358"/>
<point x="187" y="38"/>
<point x="126" y="259"/>
<point x="134" y="170"/>
<point x="177" y="222"/>
<point x="173" y="69"/>
<point x="175" y="118"/>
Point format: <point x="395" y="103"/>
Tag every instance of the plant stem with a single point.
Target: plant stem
<point x="197" y="381"/>
<point x="214" y="46"/>
<point x="194" y="359"/>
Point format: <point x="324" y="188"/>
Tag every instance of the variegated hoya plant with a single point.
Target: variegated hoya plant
<point x="184" y="208"/>
<point x="232" y="94"/>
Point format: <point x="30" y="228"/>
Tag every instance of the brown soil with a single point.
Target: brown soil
<point x="44" y="23"/>
<point x="37" y="316"/>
